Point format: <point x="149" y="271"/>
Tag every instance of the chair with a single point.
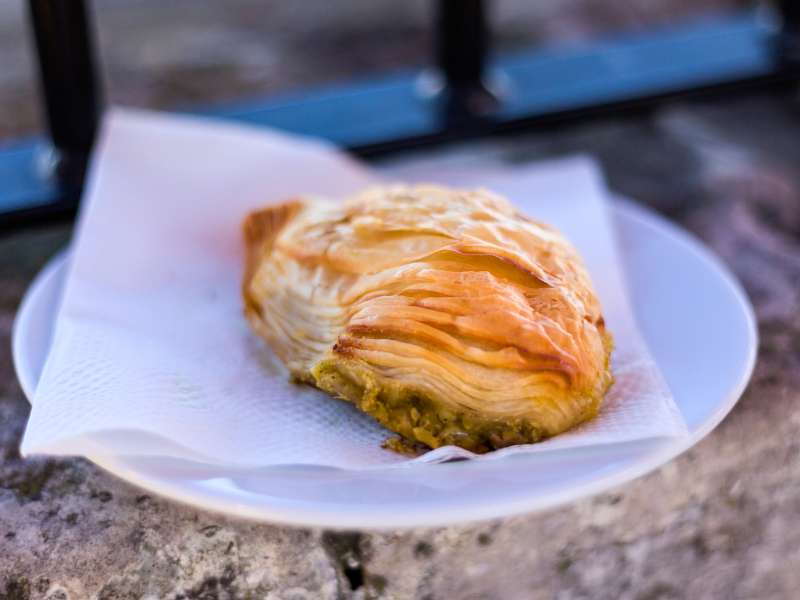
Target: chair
<point x="461" y="99"/>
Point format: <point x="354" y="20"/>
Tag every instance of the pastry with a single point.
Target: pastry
<point x="444" y="314"/>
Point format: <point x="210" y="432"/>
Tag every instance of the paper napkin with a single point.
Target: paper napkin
<point x="152" y="355"/>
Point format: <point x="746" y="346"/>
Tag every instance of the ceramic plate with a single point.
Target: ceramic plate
<point x="695" y="319"/>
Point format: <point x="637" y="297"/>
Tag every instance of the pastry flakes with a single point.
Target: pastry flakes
<point x="444" y="314"/>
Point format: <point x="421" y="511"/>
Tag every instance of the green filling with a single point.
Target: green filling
<point x="416" y="416"/>
<point x="403" y="446"/>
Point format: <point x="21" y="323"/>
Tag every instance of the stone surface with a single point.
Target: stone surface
<point x="718" y="522"/>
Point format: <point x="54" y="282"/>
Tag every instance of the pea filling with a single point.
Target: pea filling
<point x="415" y="416"/>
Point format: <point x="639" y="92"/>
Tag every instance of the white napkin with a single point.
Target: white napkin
<point x="152" y="355"/>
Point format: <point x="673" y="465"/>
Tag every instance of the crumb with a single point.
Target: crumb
<point x="401" y="446"/>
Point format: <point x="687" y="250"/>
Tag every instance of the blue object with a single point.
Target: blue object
<point x="388" y="113"/>
<point x="21" y="187"/>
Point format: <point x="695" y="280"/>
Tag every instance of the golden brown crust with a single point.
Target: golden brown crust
<point x="418" y="302"/>
<point x="260" y="230"/>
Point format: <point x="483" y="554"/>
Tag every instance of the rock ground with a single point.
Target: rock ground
<point x="718" y="522"/>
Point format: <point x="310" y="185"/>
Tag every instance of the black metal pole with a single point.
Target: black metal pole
<point x="64" y="43"/>
<point x="789" y="37"/>
<point x="463" y="39"/>
<point x="790" y="9"/>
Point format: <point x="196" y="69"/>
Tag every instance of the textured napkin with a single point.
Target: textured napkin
<point x="152" y="355"/>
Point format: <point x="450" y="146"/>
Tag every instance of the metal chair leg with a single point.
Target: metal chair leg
<point x="463" y="39"/>
<point x="72" y="100"/>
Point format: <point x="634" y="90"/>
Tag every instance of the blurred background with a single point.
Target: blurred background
<point x="187" y="53"/>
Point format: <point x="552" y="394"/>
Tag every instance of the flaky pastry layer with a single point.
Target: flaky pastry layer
<point x="444" y="314"/>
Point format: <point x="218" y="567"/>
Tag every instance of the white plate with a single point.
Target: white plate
<point x="696" y="320"/>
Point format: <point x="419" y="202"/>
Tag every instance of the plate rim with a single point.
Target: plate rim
<point x="289" y="511"/>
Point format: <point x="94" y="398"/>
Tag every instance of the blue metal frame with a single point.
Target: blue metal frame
<point x="372" y="114"/>
<point x="21" y="186"/>
<point x="386" y="114"/>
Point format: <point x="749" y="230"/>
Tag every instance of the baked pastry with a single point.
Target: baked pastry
<point x="444" y="314"/>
